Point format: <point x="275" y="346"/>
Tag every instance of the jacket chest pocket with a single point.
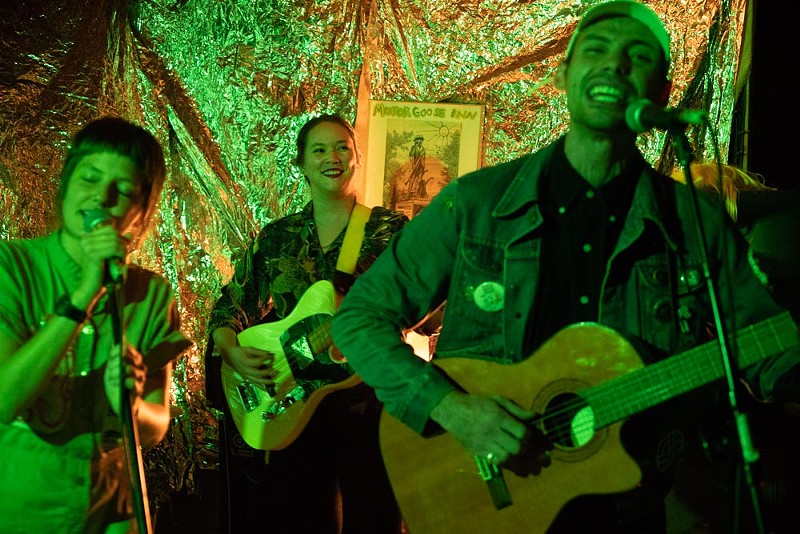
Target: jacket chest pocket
<point x="477" y="294"/>
<point x="671" y="318"/>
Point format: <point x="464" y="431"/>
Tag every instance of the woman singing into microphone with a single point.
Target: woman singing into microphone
<point x="63" y="467"/>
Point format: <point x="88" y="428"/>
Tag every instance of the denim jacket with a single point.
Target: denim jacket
<point x="477" y="246"/>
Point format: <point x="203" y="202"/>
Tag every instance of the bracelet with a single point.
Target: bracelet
<point x="65" y="308"/>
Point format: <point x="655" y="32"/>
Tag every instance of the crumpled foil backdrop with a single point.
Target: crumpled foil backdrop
<point x="225" y="85"/>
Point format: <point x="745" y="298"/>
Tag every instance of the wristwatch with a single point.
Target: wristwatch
<point x="65" y="308"/>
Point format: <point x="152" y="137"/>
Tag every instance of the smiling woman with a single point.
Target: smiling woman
<point x="328" y="158"/>
<point x="331" y="455"/>
<point x="63" y="371"/>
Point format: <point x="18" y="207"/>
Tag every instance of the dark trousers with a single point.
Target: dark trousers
<point x="331" y="475"/>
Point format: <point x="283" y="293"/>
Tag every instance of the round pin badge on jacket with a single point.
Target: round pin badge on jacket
<point x="489" y="296"/>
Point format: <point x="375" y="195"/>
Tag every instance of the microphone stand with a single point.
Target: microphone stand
<point x="749" y="454"/>
<point x="130" y="433"/>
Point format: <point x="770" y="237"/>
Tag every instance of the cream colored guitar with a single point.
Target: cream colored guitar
<point x="309" y="368"/>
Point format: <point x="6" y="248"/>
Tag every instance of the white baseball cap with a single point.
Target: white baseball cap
<point x="625" y="8"/>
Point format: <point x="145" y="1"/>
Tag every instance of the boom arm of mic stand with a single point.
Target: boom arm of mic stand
<point x="749" y="454"/>
<point x="130" y="433"/>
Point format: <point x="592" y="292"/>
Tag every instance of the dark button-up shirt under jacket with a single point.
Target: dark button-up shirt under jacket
<point x="581" y="226"/>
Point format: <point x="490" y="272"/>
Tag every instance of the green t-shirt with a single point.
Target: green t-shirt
<point x="65" y="426"/>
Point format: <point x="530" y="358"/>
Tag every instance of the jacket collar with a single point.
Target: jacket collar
<point x="524" y="188"/>
<point x="653" y="199"/>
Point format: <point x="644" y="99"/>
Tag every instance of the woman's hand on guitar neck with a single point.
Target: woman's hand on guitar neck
<point x="494" y="428"/>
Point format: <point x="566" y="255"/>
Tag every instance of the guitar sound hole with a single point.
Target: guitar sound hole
<point x="568" y="421"/>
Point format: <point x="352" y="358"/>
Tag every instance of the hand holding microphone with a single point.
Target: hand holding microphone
<point x="97" y="220"/>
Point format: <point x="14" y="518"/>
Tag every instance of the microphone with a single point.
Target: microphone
<point x="643" y="115"/>
<point x="95" y="218"/>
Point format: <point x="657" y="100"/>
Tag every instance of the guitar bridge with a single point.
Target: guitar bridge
<point x="279" y="408"/>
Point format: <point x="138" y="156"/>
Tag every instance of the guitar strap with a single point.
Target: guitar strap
<point x="348" y="256"/>
<point x="353" y="237"/>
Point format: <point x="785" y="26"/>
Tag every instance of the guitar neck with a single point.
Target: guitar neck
<point x="320" y="339"/>
<point x="628" y="394"/>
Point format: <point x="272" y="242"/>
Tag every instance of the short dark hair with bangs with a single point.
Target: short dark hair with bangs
<point x="117" y="135"/>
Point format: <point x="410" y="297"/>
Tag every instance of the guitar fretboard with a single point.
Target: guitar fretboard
<point x="320" y="338"/>
<point x="618" y="399"/>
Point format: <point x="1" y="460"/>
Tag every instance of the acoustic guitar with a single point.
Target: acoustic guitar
<point x="584" y="382"/>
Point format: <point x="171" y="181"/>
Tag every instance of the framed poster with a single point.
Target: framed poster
<point x="414" y="149"/>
